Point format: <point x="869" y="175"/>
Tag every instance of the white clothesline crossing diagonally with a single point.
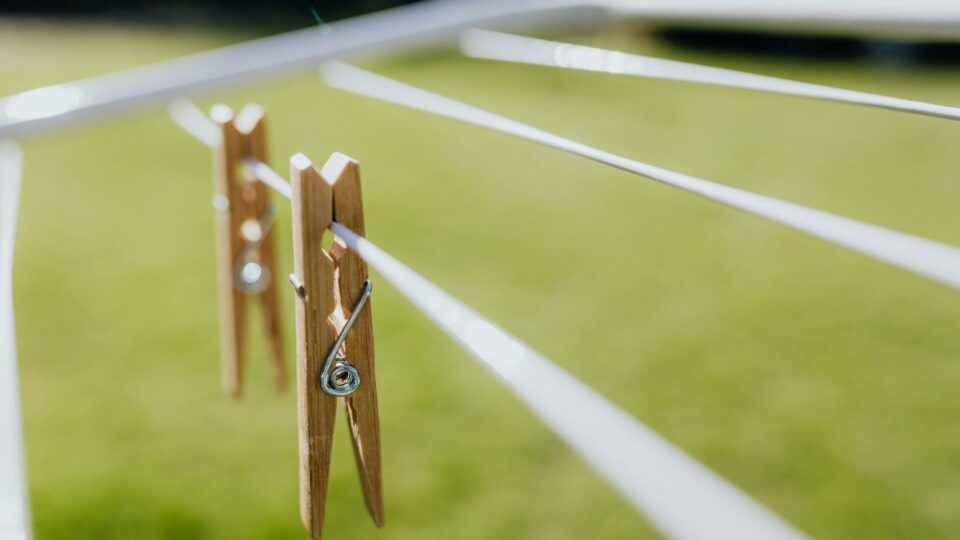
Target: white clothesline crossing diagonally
<point x="683" y="498"/>
<point x="521" y="49"/>
<point x="658" y="479"/>
<point x="934" y="260"/>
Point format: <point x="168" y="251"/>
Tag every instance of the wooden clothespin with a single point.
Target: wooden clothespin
<point x="340" y="342"/>
<point x="246" y="258"/>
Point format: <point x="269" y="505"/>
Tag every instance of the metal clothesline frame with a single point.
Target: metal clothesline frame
<point x="722" y="508"/>
<point x="61" y="105"/>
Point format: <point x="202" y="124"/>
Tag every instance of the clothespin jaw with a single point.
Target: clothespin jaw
<point x="343" y="174"/>
<point x="246" y="258"/>
<point x="312" y="205"/>
<point x="324" y="281"/>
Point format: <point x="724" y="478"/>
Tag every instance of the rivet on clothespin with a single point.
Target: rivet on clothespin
<point x="246" y="256"/>
<point x="298" y="286"/>
<point x="334" y="350"/>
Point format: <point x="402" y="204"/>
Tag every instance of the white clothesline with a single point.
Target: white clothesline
<point x="512" y="48"/>
<point x="935" y="260"/>
<point x="684" y="499"/>
<point x="60" y="105"/>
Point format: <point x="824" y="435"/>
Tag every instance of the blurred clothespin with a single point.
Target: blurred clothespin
<point x="334" y="334"/>
<point x="245" y="250"/>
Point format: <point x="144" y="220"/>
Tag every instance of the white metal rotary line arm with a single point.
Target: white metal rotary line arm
<point x="59" y="105"/>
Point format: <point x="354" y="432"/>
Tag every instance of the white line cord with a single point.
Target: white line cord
<point x="268" y="176"/>
<point x="512" y="48"/>
<point x="188" y="116"/>
<point x="14" y="503"/>
<point x="193" y="120"/>
<point x="935" y="260"/>
<point x="684" y="499"/>
<point x="657" y="478"/>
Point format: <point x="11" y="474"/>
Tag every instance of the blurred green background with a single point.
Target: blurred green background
<point x="821" y="382"/>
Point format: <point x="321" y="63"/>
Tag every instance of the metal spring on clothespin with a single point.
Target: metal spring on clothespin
<point x="338" y="377"/>
<point x="250" y="275"/>
<point x="341" y="378"/>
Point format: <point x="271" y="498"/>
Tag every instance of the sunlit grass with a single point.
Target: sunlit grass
<point x="821" y="382"/>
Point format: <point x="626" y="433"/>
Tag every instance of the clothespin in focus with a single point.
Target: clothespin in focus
<point x="246" y="258"/>
<point x="334" y="324"/>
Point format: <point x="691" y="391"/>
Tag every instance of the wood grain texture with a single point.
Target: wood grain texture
<point x="343" y="174"/>
<point x="229" y="244"/>
<point x="316" y="410"/>
<point x="251" y="125"/>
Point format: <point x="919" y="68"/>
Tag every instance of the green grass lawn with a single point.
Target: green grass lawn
<point x="821" y="382"/>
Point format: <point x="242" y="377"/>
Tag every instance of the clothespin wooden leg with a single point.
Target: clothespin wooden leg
<point x="343" y="173"/>
<point x="228" y="205"/>
<point x="316" y="410"/>
<point x="270" y="308"/>
<point x="251" y="125"/>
